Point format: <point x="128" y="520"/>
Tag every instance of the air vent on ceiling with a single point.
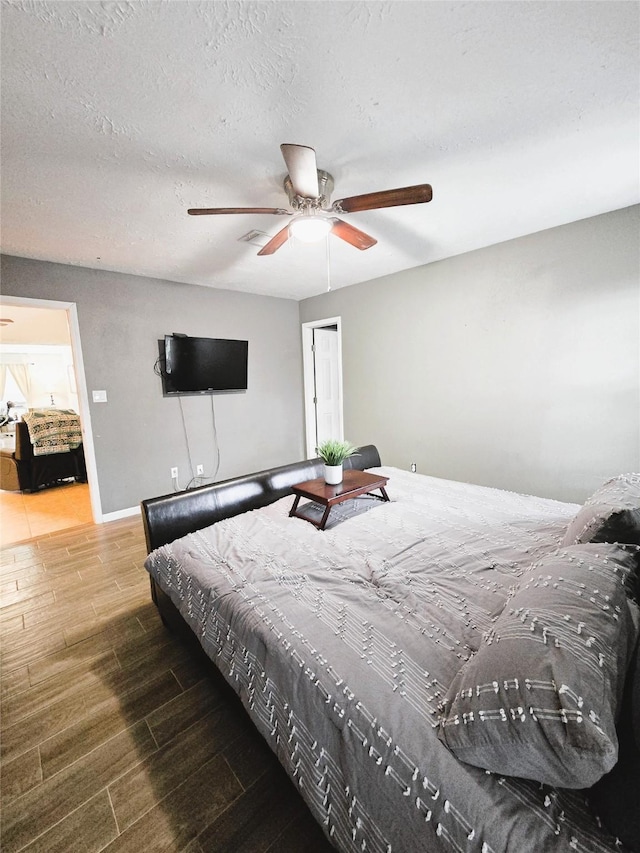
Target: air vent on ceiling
<point x="258" y="238"/>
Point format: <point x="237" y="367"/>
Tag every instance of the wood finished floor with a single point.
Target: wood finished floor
<point x="115" y="735"/>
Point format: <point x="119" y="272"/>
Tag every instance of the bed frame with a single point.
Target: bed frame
<point x="172" y="516"/>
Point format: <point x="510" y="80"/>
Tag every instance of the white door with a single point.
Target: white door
<point x="322" y="361"/>
<point x="327" y="384"/>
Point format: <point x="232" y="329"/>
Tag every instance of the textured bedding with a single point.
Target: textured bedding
<point x="343" y="645"/>
<point x="53" y="430"/>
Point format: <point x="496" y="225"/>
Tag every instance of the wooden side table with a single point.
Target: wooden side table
<point x="354" y="484"/>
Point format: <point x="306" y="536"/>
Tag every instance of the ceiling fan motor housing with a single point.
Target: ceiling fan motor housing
<point x="325" y="188"/>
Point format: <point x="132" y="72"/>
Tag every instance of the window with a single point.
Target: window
<point x="14" y="394"/>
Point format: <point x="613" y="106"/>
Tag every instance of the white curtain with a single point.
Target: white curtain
<point x="20" y="373"/>
<point x="3" y="379"/>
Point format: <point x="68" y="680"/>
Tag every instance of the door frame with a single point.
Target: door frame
<point x="309" y="381"/>
<point x="81" y="384"/>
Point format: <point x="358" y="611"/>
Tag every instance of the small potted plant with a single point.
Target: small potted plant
<point x="333" y="453"/>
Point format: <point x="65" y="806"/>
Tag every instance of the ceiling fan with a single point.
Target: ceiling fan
<point x="309" y="190"/>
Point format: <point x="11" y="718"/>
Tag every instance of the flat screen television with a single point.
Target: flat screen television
<point x="203" y="365"/>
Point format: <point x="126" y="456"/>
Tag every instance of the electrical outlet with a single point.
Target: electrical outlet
<point x="199" y="470"/>
<point x="174" y="473"/>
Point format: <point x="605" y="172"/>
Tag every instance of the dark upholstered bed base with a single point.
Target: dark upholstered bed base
<point x="170" y="614"/>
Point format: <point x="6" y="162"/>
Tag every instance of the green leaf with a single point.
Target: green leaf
<point x="334" y="452"/>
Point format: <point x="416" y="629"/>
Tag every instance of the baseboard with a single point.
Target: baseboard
<point x="120" y="513"/>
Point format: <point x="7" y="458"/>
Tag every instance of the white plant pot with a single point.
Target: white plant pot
<point x="333" y="474"/>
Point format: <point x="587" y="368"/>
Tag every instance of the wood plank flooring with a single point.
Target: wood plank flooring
<point x="115" y="734"/>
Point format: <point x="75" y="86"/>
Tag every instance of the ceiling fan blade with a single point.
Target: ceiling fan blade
<point x="352" y="235"/>
<point x="207" y="211"/>
<point x="302" y="168"/>
<point x="275" y="242"/>
<point x="386" y="198"/>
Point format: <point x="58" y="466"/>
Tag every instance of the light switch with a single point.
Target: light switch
<point x="99" y="396"/>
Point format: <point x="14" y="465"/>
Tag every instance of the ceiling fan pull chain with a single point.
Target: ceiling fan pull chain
<point x="328" y="263"/>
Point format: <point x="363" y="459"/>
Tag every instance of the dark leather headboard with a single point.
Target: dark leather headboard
<point x="169" y="517"/>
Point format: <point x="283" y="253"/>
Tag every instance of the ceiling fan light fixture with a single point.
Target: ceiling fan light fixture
<point x="310" y="229"/>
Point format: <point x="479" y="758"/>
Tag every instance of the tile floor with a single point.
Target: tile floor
<point x="25" y="516"/>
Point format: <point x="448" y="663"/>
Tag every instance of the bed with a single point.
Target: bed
<point x="455" y="670"/>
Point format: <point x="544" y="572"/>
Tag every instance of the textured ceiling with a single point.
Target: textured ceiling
<point x="118" y="116"/>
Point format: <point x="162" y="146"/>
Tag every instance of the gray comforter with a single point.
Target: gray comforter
<point x="343" y="643"/>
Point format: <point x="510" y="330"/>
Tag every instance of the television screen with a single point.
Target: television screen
<point x="204" y="365"/>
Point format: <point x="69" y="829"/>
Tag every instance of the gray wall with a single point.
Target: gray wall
<point x="514" y="366"/>
<point x="138" y="433"/>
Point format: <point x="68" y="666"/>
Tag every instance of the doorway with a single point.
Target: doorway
<point x="42" y="317"/>
<point x="322" y="365"/>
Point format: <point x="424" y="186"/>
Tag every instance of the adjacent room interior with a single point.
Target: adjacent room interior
<point x="467" y="309"/>
<point x="36" y="359"/>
